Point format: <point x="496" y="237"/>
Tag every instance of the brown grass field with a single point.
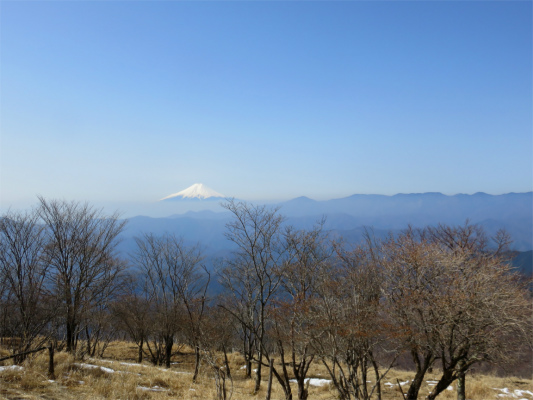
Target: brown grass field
<point x="121" y="378"/>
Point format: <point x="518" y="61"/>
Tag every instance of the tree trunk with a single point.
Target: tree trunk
<point x="51" y="372"/>
<point x="88" y="337"/>
<point x="269" y="387"/>
<point x="414" y="388"/>
<point x="140" y="354"/>
<point x="302" y="390"/>
<point x="445" y="381"/>
<point x="258" y="372"/>
<point x="461" y="381"/>
<point x="364" y="371"/>
<point x="70" y="337"/>
<point x="169" y="342"/>
<point x="196" y="363"/>
<point x="421" y="368"/>
<point x="247" y="357"/>
<point x="378" y="381"/>
<point x="226" y="362"/>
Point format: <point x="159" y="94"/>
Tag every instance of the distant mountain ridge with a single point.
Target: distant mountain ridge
<point x="347" y="217"/>
<point x="425" y="208"/>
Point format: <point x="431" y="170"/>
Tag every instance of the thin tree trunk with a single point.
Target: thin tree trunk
<point x="364" y="377"/>
<point x="378" y="381"/>
<point x="258" y="372"/>
<point x="197" y="362"/>
<point x="140" y="354"/>
<point x="226" y="362"/>
<point x="87" y="335"/>
<point x="247" y="356"/>
<point x="421" y="368"/>
<point x="445" y="381"/>
<point x="461" y="383"/>
<point x="51" y="372"/>
<point x="168" y="350"/>
<point x="70" y="337"/>
<point x="269" y="387"/>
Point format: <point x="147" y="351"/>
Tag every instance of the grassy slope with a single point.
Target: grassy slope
<point x="76" y="381"/>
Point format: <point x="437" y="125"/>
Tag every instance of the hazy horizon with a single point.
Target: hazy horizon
<point x="166" y="208"/>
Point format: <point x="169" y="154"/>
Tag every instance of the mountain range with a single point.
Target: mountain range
<point x="347" y="217"/>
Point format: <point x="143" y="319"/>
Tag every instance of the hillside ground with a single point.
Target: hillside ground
<point x="118" y="376"/>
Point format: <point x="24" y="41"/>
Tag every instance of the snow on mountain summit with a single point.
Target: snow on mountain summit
<point x="197" y="191"/>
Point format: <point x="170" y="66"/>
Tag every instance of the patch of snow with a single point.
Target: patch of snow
<point x="314" y="381"/>
<point x="175" y="372"/>
<point x="515" y="394"/>
<point x="91" y="366"/>
<point x="449" y="388"/>
<point x="132" y="364"/>
<point x="520" y="393"/>
<point x="404" y="383"/>
<point x="432" y="382"/>
<point x="152" y="389"/>
<point x="11" y="368"/>
<point x="504" y="390"/>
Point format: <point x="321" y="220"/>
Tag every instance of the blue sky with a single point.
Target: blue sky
<point x="131" y="101"/>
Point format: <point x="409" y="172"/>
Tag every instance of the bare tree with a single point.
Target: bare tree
<point x="485" y="306"/>
<point x="240" y="301"/>
<point x="80" y="251"/>
<point x="23" y="271"/>
<point x="132" y="311"/>
<point x="215" y="336"/>
<point x="355" y="326"/>
<point x="294" y="319"/>
<point x="251" y="275"/>
<point x="454" y="298"/>
<point x="176" y="285"/>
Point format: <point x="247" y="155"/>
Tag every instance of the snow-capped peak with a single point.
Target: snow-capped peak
<point x="196" y="191"/>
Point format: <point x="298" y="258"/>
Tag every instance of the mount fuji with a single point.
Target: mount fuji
<point x="198" y="191"/>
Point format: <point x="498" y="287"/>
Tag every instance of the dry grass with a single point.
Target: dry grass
<point x="128" y="380"/>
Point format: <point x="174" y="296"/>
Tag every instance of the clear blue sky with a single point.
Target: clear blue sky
<point x="131" y="101"/>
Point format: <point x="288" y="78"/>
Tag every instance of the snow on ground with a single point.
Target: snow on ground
<point x="314" y="381"/>
<point x="130" y="364"/>
<point x="91" y="366"/>
<point x="522" y="392"/>
<point x="11" y="368"/>
<point x="121" y="363"/>
<point x="152" y="389"/>
<point x="140" y="365"/>
<point x="516" y="394"/>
